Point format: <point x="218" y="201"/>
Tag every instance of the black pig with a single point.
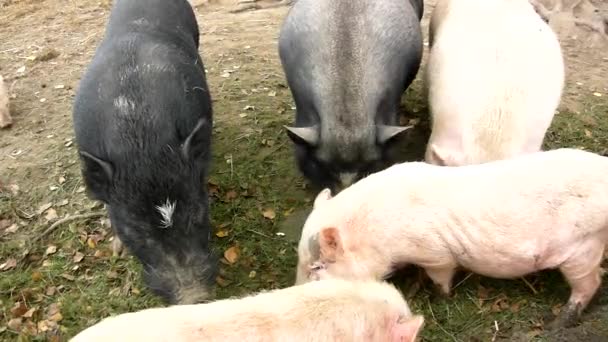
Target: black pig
<point x="143" y="119"/>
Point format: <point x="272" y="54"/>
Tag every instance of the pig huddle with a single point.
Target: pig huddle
<point x="486" y="199"/>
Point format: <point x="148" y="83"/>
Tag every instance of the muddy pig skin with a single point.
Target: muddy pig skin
<point x="495" y="76"/>
<point x="347" y="63"/>
<point x="502" y="219"/>
<point x="5" y="115"/>
<point x="329" y="310"/>
<point x="143" y="118"/>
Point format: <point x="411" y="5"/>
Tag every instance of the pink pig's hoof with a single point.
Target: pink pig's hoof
<point x="567" y="318"/>
<point x="440" y="294"/>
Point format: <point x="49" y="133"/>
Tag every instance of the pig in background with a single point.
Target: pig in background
<point x="502" y="219"/>
<point x="495" y="77"/>
<point x="5" y="115"/>
<point x="331" y="310"/>
<point x="143" y="118"/>
<point x="347" y="64"/>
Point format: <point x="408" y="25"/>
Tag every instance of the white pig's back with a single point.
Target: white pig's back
<point x="495" y="76"/>
<point x="545" y="190"/>
<point x="544" y="203"/>
<point x="295" y="314"/>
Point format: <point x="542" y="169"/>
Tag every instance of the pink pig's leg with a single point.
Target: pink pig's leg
<point x="442" y="277"/>
<point x="583" y="273"/>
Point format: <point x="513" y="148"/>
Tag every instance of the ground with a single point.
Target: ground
<point x="54" y="285"/>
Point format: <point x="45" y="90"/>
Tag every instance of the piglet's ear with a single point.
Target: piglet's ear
<point x="407" y="329"/>
<point x="324" y="195"/>
<point x="330" y="244"/>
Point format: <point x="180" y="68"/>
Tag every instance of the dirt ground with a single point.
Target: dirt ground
<point x="44" y="47"/>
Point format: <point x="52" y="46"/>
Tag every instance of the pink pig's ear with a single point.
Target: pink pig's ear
<point x="330" y="243"/>
<point x="407" y="329"/>
<point x="324" y="195"/>
<point x="444" y="156"/>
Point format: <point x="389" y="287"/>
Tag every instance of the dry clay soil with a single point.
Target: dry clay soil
<point x="63" y="34"/>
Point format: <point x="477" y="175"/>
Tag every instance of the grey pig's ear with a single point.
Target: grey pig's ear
<point x="195" y="145"/>
<point x="385" y="133"/>
<point x="306" y="135"/>
<point x="324" y="195"/>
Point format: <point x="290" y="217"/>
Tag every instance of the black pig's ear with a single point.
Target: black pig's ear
<point x="304" y="135"/>
<point x="98" y="175"/>
<point x="195" y="144"/>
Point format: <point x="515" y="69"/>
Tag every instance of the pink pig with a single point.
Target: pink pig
<point x="495" y="76"/>
<point x="502" y="219"/>
<point x="330" y="310"/>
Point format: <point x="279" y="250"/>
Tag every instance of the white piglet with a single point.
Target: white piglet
<point x="5" y="115"/>
<point x="332" y="310"/>
<point x="502" y="219"/>
<point x="495" y="76"/>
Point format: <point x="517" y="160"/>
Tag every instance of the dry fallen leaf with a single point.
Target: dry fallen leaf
<point x="29" y="328"/>
<point x="8" y="265"/>
<point x="30" y="312"/>
<point x="222" y="233"/>
<point x="230" y="195"/>
<point x="91" y="243"/>
<point x="14" y="324"/>
<point x="43" y="326"/>
<point x="588" y="133"/>
<point x="99" y="253"/>
<point x="36" y="276"/>
<point x="12" y="229"/>
<point x="232" y="254"/>
<point x="78" y="257"/>
<point x="68" y="277"/>
<point x="4" y="224"/>
<point x="222" y="282"/>
<point x="51" y="291"/>
<point x="56" y="317"/>
<point x="52" y="249"/>
<point x="51" y="215"/>
<point x="482" y="292"/>
<point x="269" y="214"/>
<point x="19" y="309"/>
<point x="44" y="208"/>
<point x="52" y="309"/>
<point x="500" y="304"/>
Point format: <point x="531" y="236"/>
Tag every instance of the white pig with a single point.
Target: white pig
<point x="5" y="115"/>
<point x="502" y="219"/>
<point x="495" y="77"/>
<point x="331" y="310"/>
